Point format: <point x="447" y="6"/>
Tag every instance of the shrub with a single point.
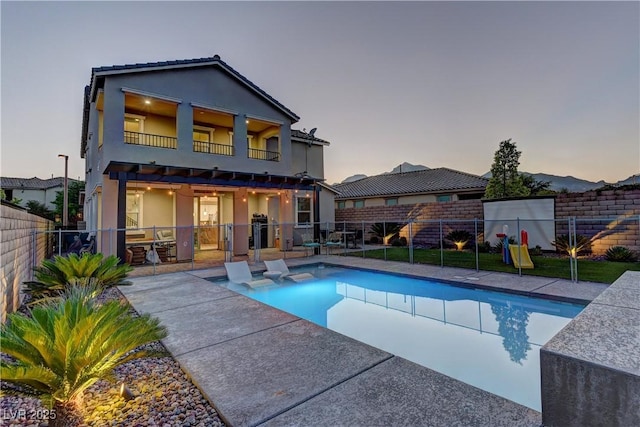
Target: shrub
<point x="537" y="251"/>
<point x="583" y="245"/>
<point x="498" y="248"/>
<point x="64" y="348"/>
<point x="374" y="239"/>
<point x="484" y="247"/>
<point x="460" y="238"/>
<point x="385" y="229"/>
<point x="53" y="277"/>
<point x="620" y="254"/>
<point x="400" y="241"/>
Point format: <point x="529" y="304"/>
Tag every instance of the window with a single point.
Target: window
<point x="202" y="134"/>
<point x="444" y="198"/>
<point x="358" y="203"/>
<point x="303" y="211"/>
<point x="202" y="139"/>
<point x="134" y="210"/>
<point x="391" y="202"/>
<point x="340" y="204"/>
<point x="133" y="127"/>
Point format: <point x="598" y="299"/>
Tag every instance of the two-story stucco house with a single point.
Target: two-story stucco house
<point x="184" y="143"/>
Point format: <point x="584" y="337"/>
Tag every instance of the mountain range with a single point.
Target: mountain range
<point x="558" y="183"/>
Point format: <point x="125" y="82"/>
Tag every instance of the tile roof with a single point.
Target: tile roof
<point x="427" y="181"/>
<point x="31" y="183"/>
<point x="186" y="63"/>
<point x="301" y="135"/>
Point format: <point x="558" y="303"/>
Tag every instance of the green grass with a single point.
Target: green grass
<point x="588" y="270"/>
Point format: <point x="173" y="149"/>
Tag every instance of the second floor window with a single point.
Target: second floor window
<point x="358" y="203"/>
<point x="133" y="127"/>
<point x="340" y="204"/>
<point x="391" y="202"/>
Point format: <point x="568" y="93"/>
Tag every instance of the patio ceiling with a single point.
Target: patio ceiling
<point x="181" y="175"/>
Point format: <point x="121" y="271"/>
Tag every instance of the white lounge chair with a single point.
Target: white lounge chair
<point x="280" y="266"/>
<point x="239" y="272"/>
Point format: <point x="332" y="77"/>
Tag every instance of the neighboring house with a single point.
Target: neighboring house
<point x="25" y="189"/>
<point x="192" y="143"/>
<point x="423" y="186"/>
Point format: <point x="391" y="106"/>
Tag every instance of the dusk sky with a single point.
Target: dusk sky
<point x="432" y="83"/>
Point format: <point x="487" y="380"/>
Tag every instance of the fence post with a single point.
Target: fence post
<point x="384" y="236"/>
<point x="60" y="241"/>
<point x="441" y="246"/>
<point x="569" y="241"/>
<point x="193" y="247"/>
<point x="410" y="241"/>
<point x="362" y="240"/>
<point x="475" y="225"/>
<point x="153" y="248"/>
<point x="257" y="241"/>
<point x="575" y="240"/>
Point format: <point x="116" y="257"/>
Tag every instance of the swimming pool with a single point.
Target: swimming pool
<point x="488" y="339"/>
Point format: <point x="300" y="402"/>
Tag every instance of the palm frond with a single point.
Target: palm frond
<point x="67" y="346"/>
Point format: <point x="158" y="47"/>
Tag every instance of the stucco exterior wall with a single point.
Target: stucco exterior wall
<point x="203" y="86"/>
<point x="21" y="250"/>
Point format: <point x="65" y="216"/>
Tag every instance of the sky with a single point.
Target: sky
<point x="432" y="83"/>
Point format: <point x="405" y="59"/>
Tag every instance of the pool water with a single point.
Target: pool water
<point x="490" y="340"/>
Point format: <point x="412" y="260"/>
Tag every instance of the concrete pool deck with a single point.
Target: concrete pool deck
<point x="260" y="366"/>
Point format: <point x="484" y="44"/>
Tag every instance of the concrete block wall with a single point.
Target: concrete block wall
<point x="19" y="252"/>
<point x="426" y="228"/>
<point x="609" y="218"/>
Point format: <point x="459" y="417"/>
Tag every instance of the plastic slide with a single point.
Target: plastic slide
<point x="520" y="258"/>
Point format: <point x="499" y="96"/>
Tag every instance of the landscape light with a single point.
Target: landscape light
<point x="125" y="393"/>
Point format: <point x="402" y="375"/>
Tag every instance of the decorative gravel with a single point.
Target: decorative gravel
<point x="163" y="396"/>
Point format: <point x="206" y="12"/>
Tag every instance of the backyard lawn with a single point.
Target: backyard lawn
<point x="588" y="270"/>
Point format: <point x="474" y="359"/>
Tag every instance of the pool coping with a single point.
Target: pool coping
<point x="227" y="343"/>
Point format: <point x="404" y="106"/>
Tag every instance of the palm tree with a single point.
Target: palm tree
<point x="66" y="347"/>
<point x="53" y="277"/>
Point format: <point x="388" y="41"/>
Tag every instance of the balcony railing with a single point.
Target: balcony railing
<point x="272" y="156"/>
<point x="212" y="148"/>
<point x="150" y="140"/>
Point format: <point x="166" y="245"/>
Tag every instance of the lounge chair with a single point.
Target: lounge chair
<point x="279" y="266"/>
<point x="239" y="272"/>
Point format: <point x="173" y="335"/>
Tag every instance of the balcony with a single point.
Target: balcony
<point x="271" y="156"/>
<point x="212" y="148"/>
<point x="150" y="140"/>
